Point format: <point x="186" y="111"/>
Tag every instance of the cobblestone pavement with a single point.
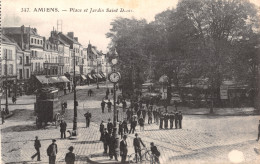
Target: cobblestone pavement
<point x="203" y="139"/>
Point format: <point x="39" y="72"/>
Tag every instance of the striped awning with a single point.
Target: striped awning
<point x="89" y="75"/>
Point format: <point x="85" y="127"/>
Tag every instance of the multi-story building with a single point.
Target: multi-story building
<point x="8" y="72"/>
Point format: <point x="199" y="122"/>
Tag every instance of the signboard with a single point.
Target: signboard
<point x="223" y="92"/>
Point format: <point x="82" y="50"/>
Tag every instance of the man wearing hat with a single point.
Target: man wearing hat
<point x="37" y="146"/>
<point x="63" y="126"/>
<point x="52" y="152"/>
<point x="137" y="146"/>
<point x="70" y="157"/>
<point x="123" y="149"/>
<point x="109" y="126"/>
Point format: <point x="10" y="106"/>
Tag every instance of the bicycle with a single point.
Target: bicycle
<point x="145" y="154"/>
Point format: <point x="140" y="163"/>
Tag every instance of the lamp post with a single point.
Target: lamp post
<point x="97" y="76"/>
<point x="6" y="85"/>
<point x="74" y="133"/>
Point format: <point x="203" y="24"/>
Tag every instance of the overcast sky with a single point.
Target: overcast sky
<point x="85" y="25"/>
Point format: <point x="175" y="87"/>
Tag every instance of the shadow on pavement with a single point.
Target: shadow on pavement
<point x="87" y="142"/>
<point x="19" y="128"/>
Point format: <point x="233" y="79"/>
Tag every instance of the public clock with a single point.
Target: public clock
<point x="114" y="77"/>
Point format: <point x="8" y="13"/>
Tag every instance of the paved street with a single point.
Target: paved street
<point x="203" y="139"/>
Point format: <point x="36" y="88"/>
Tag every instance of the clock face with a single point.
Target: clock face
<point x="114" y="77"/>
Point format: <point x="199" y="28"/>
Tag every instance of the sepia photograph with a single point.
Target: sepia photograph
<point x="130" y="81"/>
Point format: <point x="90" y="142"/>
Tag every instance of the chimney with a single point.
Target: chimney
<point x="22" y="32"/>
<point x="71" y="34"/>
<point x="35" y="30"/>
<point x="76" y="38"/>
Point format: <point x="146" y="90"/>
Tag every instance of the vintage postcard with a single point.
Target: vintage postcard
<point x="130" y="81"/>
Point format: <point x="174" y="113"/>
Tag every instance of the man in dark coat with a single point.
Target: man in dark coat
<point x="109" y="126"/>
<point x="105" y="140"/>
<point x="150" y="116"/>
<point x="137" y="146"/>
<point x="37" y="145"/>
<point x="103" y="104"/>
<point x="112" y="147"/>
<point x="3" y="113"/>
<point x="63" y="126"/>
<point x="258" y="131"/>
<point x="166" y="119"/>
<point x="52" y="151"/>
<point x="155" y="152"/>
<point x="139" y="112"/>
<point x="124" y="105"/>
<point x="171" y="120"/>
<point x="101" y="129"/>
<point x="133" y="125"/>
<point x="176" y="120"/>
<point x="136" y="106"/>
<point x="128" y="112"/>
<point x="120" y="129"/>
<point x="70" y="157"/>
<point x="107" y="93"/>
<point x="161" y="120"/>
<point x="125" y="127"/>
<point x="87" y="116"/>
<point x="154" y="115"/>
<point x="123" y="149"/>
<point x="180" y="119"/>
<point x="109" y="105"/>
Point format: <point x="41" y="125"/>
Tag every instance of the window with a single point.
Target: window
<point x="27" y="59"/>
<point x="27" y="73"/>
<point x="20" y="60"/>
<point x="41" y="42"/>
<point x="38" y="41"/>
<point x="20" y="74"/>
<point x="31" y="40"/>
<point x="35" y="41"/>
<point x="10" y="71"/>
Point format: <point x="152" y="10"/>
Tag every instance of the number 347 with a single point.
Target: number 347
<point x="24" y="9"/>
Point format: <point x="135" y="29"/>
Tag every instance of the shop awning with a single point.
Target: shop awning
<point x="90" y="76"/>
<point x="99" y="76"/>
<point x="83" y="77"/>
<point x="102" y="75"/>
<point x="64" y="79"/>
<point x="94" y="76"/>
<point x="43" y="79"/>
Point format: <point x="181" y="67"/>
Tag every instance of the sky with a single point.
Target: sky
<point x="88" y="27"/>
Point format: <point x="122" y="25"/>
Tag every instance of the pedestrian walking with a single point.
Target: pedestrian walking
<point x="176" y="120"/>
<point x="52" y="151"/>
<point x="88" y="117"/>
<point x="258" y="131"/>
<point x="144" y="113"/>
<point x="137" y="146"/>
<point x="105" y="140"/>
<point x="133" y="125"/>
<point x="109" y="105"/>
<point x="180" y="119"/>
<point x="90" y="92"/>
<point x="141" y="123"/>
<point x="154" y="115"/>
<point x="70" y="156"/>
<point x="155" y="152"/>
<point x="124" y="105"/>
<point x="101" y="129"/>
<point x="161" y="121"/>
<point x="3" y="113"/>
<point x="69" y="87"/>
<point x="128" y="112"/>
<point x="37" y="145"/>
<point x="14" y="100"/>
<point x="112" y="147"/>
<point x="107" y="93"/>
<point x="136" y="106"/>
<point x="65" y="90"/>
<point x="109" y="126"/>
<point x="103" y="104"/>
<point x="125" y="127"/>
<point x="120" y="129"/>
<point x="150" y="116"/>
<point x="123" y="149"/>
<point x="63" y="126"/>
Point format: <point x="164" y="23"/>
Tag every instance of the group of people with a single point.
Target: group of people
<point x="110" y="142"/>
<point x="52" y="152"/>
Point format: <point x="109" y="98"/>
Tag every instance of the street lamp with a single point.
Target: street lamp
<point x="114" y="77"/>
<point x="74" y="132"/>
<point x="97" y="76"/>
